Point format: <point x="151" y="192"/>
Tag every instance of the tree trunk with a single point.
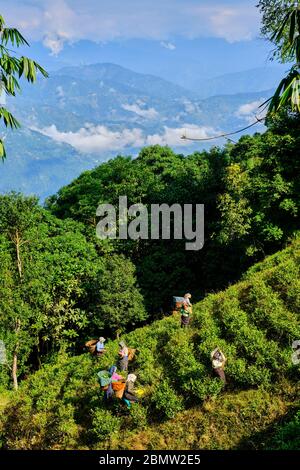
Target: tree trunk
<point x="14" y="370"/>
<point x="15" y="357"/>
<point x="19" y="261"/>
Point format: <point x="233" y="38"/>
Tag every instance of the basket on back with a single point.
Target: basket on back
<point x="131" y="354"/>
<point x="119" y="388"/>
<point x="104" y="378"/>
<point x="91" y="345"/>
<point x="177" y="302"/>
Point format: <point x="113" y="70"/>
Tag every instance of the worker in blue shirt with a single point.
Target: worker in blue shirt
<point x="100" y="347"/>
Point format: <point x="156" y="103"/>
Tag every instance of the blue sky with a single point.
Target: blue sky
<point x="175" y="39"/>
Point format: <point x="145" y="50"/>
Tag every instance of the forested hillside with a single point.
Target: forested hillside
<point x="60" y="286"/>
<point x="251" y="196"/>
<point x="100" y="346"/>
<point x="184" y="405"/>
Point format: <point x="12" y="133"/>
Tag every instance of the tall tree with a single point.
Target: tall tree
<point x="12" y="68"/>
<point x="46" y="267"/>
<point x="17" y="214"/>
<point x="120" y="301"/>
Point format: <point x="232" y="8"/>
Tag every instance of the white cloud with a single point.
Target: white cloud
<point x="168" y="45"/>
<point x="93" y="139"/>
<point x="251" y="111"/>
<point x="150" y="113"/>
<point x="59" y="21"/>
<point x="228" y="23"/>
<point x="54" y="43"/>
<point x="173" y="136"/>
<point x="249" y="108"/>
<point x="60" y="91"/>
<point x="191" y="107"/>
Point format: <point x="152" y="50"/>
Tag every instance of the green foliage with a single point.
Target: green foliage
<point x="287" y="435"/>
<point x="251" y="196"/>
<point x="45" y="410"/>
<point x="281" y="25"/>
<point x="165" y="400"/>
<point x="55" y="288"/>
<point x="12" y="68"/>
<point x="60" y="286"/>
<point x="278" y="25"/>
<point x="120" y="301"/>
<point x="104" y="424"/>
<point x="252" y="322"/>
<point x="138" y="416"/>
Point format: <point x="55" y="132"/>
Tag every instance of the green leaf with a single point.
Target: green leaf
<point x="275" y="98"/>
<point x="12" y="68"/>
<point x="28" y="68"/>
<point x="10" y="84"/>
<point x="295" y="98"/>
<point x="13" y="36"/>
<point x="8" y="119"/>
<point x="40" y="69"/>
<point x="277" y="35"/>
<point x="2" y="22"/>
<point x="292" y="26"/>
<point x="2" y="150"/>
<point x="297" y="48"/>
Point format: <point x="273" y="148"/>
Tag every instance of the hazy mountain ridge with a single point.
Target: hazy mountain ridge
<point x="250" y="81"/>
<point x="83" y="115"/>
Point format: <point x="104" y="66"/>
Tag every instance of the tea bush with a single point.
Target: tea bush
<point x="252" y="322"/>
<point x="165" y="401"/>
<point x="287" y="435"/>
<point x="104" y="424"/>
<point x="138" y="416"/>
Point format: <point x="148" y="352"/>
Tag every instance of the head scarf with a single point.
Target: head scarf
<point x="112" y="370"/>
<point x="131" y="378"/>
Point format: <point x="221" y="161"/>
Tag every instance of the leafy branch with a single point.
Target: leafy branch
<point x="287" y="38"/>
<point x="12" y="69"/>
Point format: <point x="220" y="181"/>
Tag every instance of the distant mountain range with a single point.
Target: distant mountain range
<point x="249" y="81"/>
<point x="83" y="115"/>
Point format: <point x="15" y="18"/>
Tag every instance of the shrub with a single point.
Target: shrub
<point x="138" y="415"/>
<point x="149" y="370"/>
<point x="166" y="402"/>
<point x="103" y="424"/>
<point x="287" y="436"/>
<point x="206" y="387"/>
<point x="179" y="357"/>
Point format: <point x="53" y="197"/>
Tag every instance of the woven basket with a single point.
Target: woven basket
<point x="118" y="385"/>
<point x="119" y="393"/>
<point x="131" y="354"/>
<point x="118" y="388"/>
<point x="91" y="345"/>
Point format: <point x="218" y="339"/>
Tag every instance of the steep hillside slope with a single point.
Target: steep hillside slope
<point x="184" y="405"/>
